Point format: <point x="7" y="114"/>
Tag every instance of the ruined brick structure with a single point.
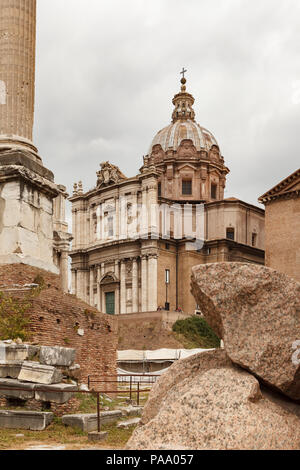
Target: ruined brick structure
<point x="283" y="226"/>
<point x="59" y="319"/>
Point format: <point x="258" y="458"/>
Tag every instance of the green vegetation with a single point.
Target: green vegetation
<point x="194" y="332"/>
<point x="14" y="321"/>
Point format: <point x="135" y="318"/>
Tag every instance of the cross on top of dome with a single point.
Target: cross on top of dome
<point x="183" y="103"/>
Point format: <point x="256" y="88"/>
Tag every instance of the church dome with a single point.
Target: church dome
<point x="184" y="127"/>
<point x="172" y="136"/>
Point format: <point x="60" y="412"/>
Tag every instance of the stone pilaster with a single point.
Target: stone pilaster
<point x="135" y="286"/>
<point x="123" y="308"/>
<point x="99" y="306"/>
<point x="74" y="286"/>
<point x="92" y="287"/>
<point x="64" y="267"/>
<point x="144" y="283"/>
<point x="152" y="283"/>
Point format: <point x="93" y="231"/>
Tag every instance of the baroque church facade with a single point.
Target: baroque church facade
<point x="136" y="239"/>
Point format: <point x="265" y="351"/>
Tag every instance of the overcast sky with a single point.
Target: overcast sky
<point x="107" y="71"/>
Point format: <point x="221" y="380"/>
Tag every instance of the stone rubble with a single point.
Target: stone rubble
<point x="32" y="383"/>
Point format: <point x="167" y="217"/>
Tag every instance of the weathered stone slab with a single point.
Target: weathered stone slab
<point x="15" y="391"/>
<point x="10" y="369"/>
<point x="57" y="356"/>
<point x="256" y="311"/>
<point x="39" y="373"/>
<point x="130" y="422"/>
<point x="17" y="352"/>
<point x="53" y="396"/>
<point x="131" y="410"/>
<point x="30" y="420"/>
<point x="89" y="422"/>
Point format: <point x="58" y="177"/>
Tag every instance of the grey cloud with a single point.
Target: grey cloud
<point x="107" y="72"/>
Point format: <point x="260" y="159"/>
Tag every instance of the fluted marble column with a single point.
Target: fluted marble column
<point x="135" y="286"/>
<point x="17" y="73"/>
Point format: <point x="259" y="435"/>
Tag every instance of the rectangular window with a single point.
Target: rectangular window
<point x="254" y="239"/>
<point x="214" y="189"/>
<point x="159" y="189"/>
<point x="187" y="187"/>
<point x="230" y="234"/>
<point x="167" y="276"/>
<point x="110" y="226"/>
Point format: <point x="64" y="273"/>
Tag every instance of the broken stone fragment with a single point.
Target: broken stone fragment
<point x="39" y="373"/>
<point x="15" y="389"/>
<point x="17" y="352"/>
<point x="256" y="311"/>
<point x="10" y="369"/>
<point x="63" y="395"/>
<point x="57" y="356"/>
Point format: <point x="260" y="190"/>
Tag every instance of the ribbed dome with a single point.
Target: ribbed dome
<point x="184" y="126"/>
<point x="172" y="136"/>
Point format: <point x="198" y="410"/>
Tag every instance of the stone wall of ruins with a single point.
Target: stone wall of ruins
<point x="59" y="319"/>
<point x="283" y="236"/>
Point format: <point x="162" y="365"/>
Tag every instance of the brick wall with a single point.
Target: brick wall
<point x="56" y="318"/>
<point x="283" y="236"/>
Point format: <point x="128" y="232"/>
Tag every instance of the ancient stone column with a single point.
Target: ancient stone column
<point x="135" y="286"/>
<point x="17" y="74"/>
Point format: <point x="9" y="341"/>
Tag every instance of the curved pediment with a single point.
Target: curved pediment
<point x="109" y="278"/>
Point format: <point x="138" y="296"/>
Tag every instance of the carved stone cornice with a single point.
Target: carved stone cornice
<point x="11" y="172"/>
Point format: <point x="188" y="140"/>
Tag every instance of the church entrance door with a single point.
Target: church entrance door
<point x="110" y="303"/>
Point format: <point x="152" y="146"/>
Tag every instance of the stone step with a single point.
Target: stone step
<point x="39" y="373"/>
<point x="29" y="420"/>
<point x="88" y="422"/>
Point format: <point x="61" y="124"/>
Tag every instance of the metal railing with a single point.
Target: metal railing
<point x="98" y="393"/>
<point x="126" y="379"/>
